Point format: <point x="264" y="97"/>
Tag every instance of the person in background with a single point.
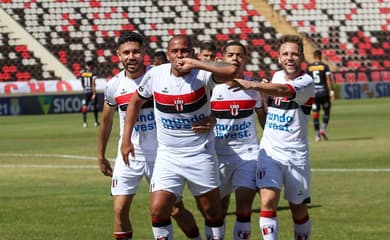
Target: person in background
<point x="207" y="51"/>
<point x="284" y="150"/>
<point x="181" y="93"/>
<point x="324" y="94"/>
<point x="88" y="82"/>
<point x="159" y="58"/>
<point x="126" y="178"/>
<point x="236" y="140"/>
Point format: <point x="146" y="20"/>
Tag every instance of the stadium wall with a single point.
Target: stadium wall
<point x="51" y="97"/>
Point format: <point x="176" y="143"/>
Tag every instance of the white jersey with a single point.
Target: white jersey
<point x="118" y="92"/>
<point x="285" y="131"/>
<point x="235" y="130"/>
<point x="179" y="102"/>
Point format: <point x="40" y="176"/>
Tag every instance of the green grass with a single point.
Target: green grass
<point x="44" y="195"/>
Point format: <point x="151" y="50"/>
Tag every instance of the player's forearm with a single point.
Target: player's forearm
<point x="222" y="71"/>
<point x="104" y="137"/>
<point x="130" y="120"/>
<point x="273" y="89"/>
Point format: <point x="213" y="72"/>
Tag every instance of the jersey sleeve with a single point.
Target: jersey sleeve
<point x="303" y="87"/>
<point x="109" y="94"/>
<point x="145" y="86"/>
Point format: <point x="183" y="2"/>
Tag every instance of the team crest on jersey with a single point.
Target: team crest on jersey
<point x="141" y="89"/>
<point x="234" y="109"/>
<point x="277" y="100"/>
<point x="179" y="105"/>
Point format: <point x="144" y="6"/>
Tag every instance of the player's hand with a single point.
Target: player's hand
<point x="332" y="95"/>
<point x="93" y="97"/>
<point x="127" y="149"/>
<point x="105" y="167"/>
<point x="205" y="125"/>
<point x="186" y="64"/>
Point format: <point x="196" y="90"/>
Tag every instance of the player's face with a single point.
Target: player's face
<point x="206" y="55"/>
<point x="236" y="56"/>
<point x="131" y="54"/>
<point x="290" y="59"/>
<point x="178" y="48"/>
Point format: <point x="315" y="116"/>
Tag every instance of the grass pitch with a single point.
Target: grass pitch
<point x="51" y="188"/>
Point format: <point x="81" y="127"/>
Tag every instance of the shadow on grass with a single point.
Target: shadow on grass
<point x="281" y="208"/>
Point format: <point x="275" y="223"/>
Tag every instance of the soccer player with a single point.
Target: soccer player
<point x="126" y="178"/>
<point x="207" y="51"/>
<point x="159" y="58"/>
<point x="284" y="151"/>
<point x="236" y="140"/>
<point x="324" y="94"/>
<point x="88" y="82"/>
<point x="180" y="91"/>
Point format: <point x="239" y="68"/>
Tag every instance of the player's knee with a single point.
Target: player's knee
<point x="243" y="215"/>
<point x="316" y="115"/>
<point x="84" y="109"/>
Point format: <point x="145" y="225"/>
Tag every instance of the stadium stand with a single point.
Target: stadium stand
<point x="18" y="62"/>
<point x="75" y="31"/>
<point x="354" y="35"/>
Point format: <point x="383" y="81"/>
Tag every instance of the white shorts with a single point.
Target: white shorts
<point x="274" y="174"/>
<point x="172" y="171"/>
<point x="126" y="179"/>
<point x="237" y="173"/>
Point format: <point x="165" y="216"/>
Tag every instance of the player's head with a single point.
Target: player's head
<point x="90" y="65"/>
<point x="131" y="52"/>
<point x="207" y="51"/>
<point x="291" y="54"/>
<point x="179" y="46"/>
<point x="235" y="53"/>
<point x="159" y="58"/>
<point x="317" y="54"/>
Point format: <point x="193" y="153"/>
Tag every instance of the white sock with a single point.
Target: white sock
<point x="302" y="231"/>
<point x="242" y="230"/>
<point x="163" y="232"/>
<point x="214" y="232"/>
<point x="269" y="225"/>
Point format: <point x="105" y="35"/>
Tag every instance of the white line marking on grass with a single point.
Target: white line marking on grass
<point x="47" y="166"/>
<point x="351" y="170"/>
<point x="47" y="156"/>
<point x="94" y="158"/>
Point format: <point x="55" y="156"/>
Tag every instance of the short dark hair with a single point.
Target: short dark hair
<point x="292" y="39"/>
<point x="90" y="63"/>
<point x="130" y="37"/>
<point x="206" y="45"/>
<point x="317" y="53"/>
<point x="182" y="36"/>
<point x="161" y="55"/>
<point x="233" y="43"/>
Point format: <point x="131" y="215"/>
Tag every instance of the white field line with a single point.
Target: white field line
<point x="16" y="155"/>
